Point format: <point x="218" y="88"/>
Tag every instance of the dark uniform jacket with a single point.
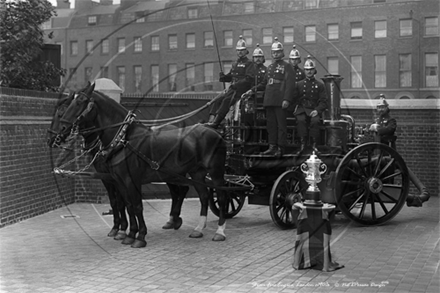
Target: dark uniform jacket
<point x="241" y="75"/>
<point x="308" y="95"/>
<point x="387" y="128"/>
<point x="277" y="77"/>
<point x="299" y="73"/>
<point x="260" y="74"/>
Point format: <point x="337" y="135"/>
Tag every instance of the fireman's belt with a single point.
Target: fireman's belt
<point x="272" y="81"/>
<point x="306" y="103"/>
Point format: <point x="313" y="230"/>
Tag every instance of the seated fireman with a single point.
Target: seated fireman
<point x="241" y="77"/>
<point x="310" y="98"/>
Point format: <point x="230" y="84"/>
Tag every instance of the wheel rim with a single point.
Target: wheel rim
<point x="285" y="192"/>
<point x="371" y="184"/>
<point x="235" y="202"/>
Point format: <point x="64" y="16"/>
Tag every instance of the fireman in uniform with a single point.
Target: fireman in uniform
<point x="260" y="71"/>
<point x="278" y="75"/>
<point x="311" y="100"/>
<point x="295" y="60"/>
<point x="241" y="77"/>
<point x="385" y="127"/>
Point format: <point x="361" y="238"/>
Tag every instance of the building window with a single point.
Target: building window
<point x="89" y="47"/>
<point x="154" y="78"/>
<point x="310" y="4"/>
<point x="155" y="43"/>
<point x="172" y="74"/>
<point x="137" y="73"/>
<point x="193" y="13"/>
<point x="92" y="20"/>
<point x="249" y="7"/>
<point x="333" y="31"/>
<point x="379" y="1"/>
<point x="405" y="27"/>
<point x="267" y="35"/>
<point x="208" y="78"/>
<point x="380" y="29"/>
<point x="103" y="72"/>
<point x="431" y="69"/>
<point x="356" y="30"/>
<point x="139" y="16"/>
<point x="172" y="42"/>
<point x="121" y="77"/>
<point x="208" y="39"/>
<point x="105" y="46"/>
<point x="227" y="39"/>
<point x="380" y="71"/>
<point x="190" y="76"/>
<point x="356" y="71"/>
<point x="88" y="71"/>
<point x="288" y="34"/>
<point x="310" y="33"/>
<point x="137" y="44"/>
<point x="247" y="36"/>
<point x="74" y="48"/>
<point x="431" y="26"/>
<point x="405" y="70"/>
<point x="121" y="45"/>
<point x="190" y="41"/>
<point x="73" y="75"/>
<point x="333" y="65"/>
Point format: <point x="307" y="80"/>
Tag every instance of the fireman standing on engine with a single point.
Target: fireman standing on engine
<point x="241" y="77"/>
<point x="311" y="100"/>
<point x="295" y="60"/>
<point x="277" y="76"/>
<point x="260" y="71"/>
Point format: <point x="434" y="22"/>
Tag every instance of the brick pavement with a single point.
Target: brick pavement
<point x="54" y="255"/>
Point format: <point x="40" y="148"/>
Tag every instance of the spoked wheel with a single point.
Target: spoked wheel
<point x="285" y="192"/>
<point x="371" y="184"/>
<point x="235" y="201"/>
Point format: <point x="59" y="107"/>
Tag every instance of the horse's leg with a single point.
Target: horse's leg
<point x="203" y="193"/>
<point x="139" y="213"/>
<point x="218" y="180"/>
<point x="178" y="194"/>
<point x="120" y="204"/>
<point x="126" y="190"/>
<point x="111" y="192"/>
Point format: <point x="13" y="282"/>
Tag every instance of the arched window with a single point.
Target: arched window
<point x="405" y="98"/>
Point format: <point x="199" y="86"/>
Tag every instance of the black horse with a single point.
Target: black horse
<point x="137" y="154"/>
<point x="92" y="144"/>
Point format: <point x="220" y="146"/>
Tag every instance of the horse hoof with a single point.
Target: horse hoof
<point x="120" y="236"/>
<point x="113" y="232"/>
<point x="219" y="237"/>
<point x="178" y="223"/>
<point x="168" y="225"/>
<point x="196" y="234"/>
<point x="139" y="243"/>
<point x="128" y="240"/>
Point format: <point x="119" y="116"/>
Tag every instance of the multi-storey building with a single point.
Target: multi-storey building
<point x="377" y="46"/>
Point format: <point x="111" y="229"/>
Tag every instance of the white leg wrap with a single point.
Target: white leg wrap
<point x="171" y="220"/>
<point x="221" y="230"/>
<point x="202" y="224"/>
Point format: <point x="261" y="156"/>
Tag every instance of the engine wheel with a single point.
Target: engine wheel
<point x="371" y="184"/>
<point x="285" y="192"/>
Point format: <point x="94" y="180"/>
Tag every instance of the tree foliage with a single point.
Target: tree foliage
<point x="21" y="45"/>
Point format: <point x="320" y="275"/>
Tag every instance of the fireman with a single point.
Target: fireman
<point x="295" y="60"/>
<point x="278" y="75"/>
<point x="311" y="100"/>
<point x="241" y="77"/>
<point x="260" y="71"/>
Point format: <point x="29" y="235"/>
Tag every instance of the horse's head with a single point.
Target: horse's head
<point x="76" y="113"/>
<point x="55" y="133"/>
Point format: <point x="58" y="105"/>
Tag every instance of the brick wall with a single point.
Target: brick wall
<point x="27" y="186"/>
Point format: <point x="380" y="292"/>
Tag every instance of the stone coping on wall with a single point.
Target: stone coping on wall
<point x="426" y="104"/>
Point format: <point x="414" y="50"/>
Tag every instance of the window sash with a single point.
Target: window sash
<point x="227" y="39"/>
<point x="380" y="29"/>
<point x="155" y="78"/>
<point x="155" y="43"/>
<point x="380" y="77"/>
<point x="267" y="35"/>
<point x="310" y="33"/>
<point x="121" y="77"/>
<point x="356" y="30"/>
<point x="138" y="44"/>
<point x="288" y="33"/>
<point x="105" y="46"/>
<point x="405" y="70"/>
<point x="190" y="41"/>
<point x="208" y="39"/>
<point x="333" y="65"/>
<point x="333" y="31"/>
<point x="406" y="27"/>
<point x="247" y="36"/>
<point x="121" y="45"/>
<point x="431" y="26"/>
<point x="172" y="42"/>
<point x="356" y="71"/>
<point x="190" y="75"/>
<point x="137" y="71"/>
<point x="431" y="70"/>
